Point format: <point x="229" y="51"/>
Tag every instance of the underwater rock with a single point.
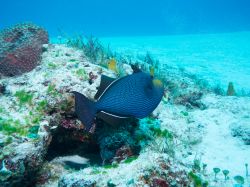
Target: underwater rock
<point x="158" y="182"/>
<point x="21" y="48"/>
<point x="191" y="100"/>
<point x="70" y="140"/>
<point x="71" y="183"/>
<point x="2" y="88"/>
<point x="117" y="143"/>
<point x="42" y="110"/>
<point x="147" y="170"/>
<point x="111" y="143"/>
<point x="23" y="160"/>
<point x="241" y="129"/>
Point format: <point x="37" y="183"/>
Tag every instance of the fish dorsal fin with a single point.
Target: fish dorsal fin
<point x="135" y="68"/>
<point x="112" y="119"/>
<point x="105" y="82"/>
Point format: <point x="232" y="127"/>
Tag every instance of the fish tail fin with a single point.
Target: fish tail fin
<point x="85" y="110"/>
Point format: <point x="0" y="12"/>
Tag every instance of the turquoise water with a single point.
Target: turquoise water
<point x="218" y="58"/>
<point x="130" y="17"/>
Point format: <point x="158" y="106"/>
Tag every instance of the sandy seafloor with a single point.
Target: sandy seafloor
<point x="218" y="58"/>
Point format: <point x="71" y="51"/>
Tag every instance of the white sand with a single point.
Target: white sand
<point x="218" y="58"/>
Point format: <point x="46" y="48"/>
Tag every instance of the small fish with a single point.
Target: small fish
<point x="72" y="158"/>
<point x="132" y="96"/>
<point x="112" y="65"/>
<point x="73" y="161"/>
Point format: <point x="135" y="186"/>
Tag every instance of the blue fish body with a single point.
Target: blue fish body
<point x="131" y="96"/>
<point x="135" y="95"/>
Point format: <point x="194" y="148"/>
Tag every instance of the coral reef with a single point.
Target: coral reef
<point x="21" y="48"/>
<point x="22" y="159"/>
<point x="43" y="144"/>
<point x="117" y="143"/>
<point x="45" y="110"/>
<point x="151" y="170"/>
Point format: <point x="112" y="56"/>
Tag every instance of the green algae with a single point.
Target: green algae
<point x="52" y="65"/>
<point x="52" y="90"/>
<point x="24" y="97"/>
<point x="111" y="166"/>
<point x="130" y="159"/>
<point x="81" y="73"/>
<point x="161" y="133"/>
<point x="96" y="171"/>
<point x="8" y="140"/>
<point x="42" y="106"/>
<point x="29" y="127"/>
<point x="72" y="60"/>
<point x="184" y="113"/>
<point x="197" y="180"/>
<point x="197" y="165"/>
<point x="10" y="126"/>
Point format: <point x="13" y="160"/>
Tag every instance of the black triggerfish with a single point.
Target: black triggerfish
<point x="135" y="95"/>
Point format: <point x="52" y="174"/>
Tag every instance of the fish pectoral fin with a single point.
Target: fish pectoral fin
<point x="112" y="119"/>
<point x="105" y="82"/>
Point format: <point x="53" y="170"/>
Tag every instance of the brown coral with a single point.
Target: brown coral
<point x="21" y="48"/>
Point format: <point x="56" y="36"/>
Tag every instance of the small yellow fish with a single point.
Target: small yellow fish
<point x="112" y="65"/>
<point x="152" y="71"/>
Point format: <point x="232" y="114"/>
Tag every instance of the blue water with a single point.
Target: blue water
<point x="129" y="17"/>
<point x="188" y="34"/>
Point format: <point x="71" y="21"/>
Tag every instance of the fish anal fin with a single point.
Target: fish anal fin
<point x="112" y="119"/>
<point x="105" y="82"/>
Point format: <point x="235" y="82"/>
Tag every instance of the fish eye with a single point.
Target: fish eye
<point x="150" y="86"/>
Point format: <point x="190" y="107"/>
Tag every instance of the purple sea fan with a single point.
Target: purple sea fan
<point x="21" y="48"/>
